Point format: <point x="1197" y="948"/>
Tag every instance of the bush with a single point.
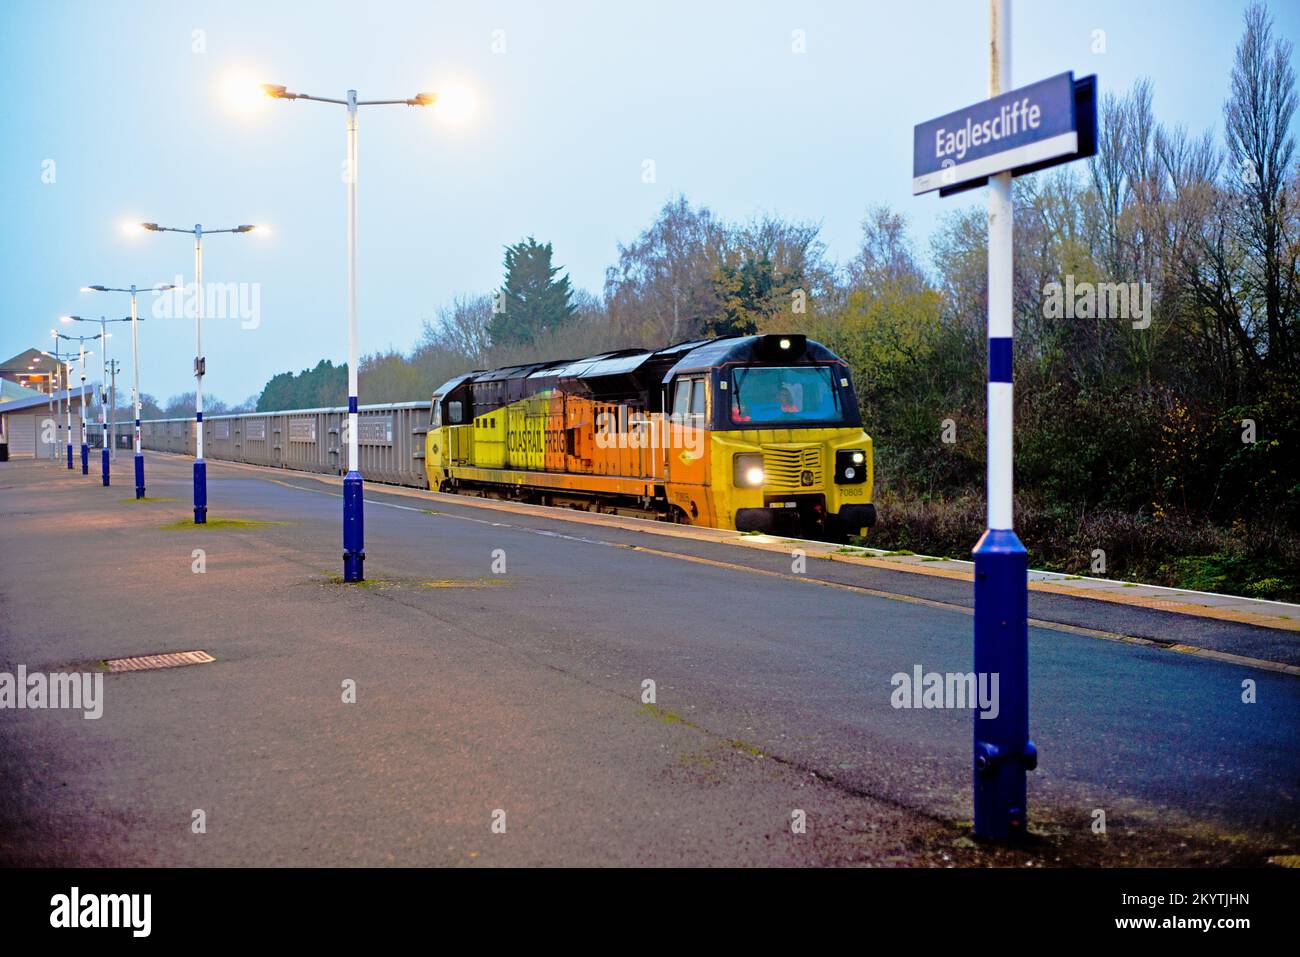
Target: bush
<point x="1172" y="549"/>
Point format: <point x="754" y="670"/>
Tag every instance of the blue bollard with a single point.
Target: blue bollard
<point x="85" y="459"/>
<point x="139" y="475"/>
<point x="1003" y="750"/>
<point x="69" y="455"/>
<point x="354" y="553"/>
<point x="200" y="492"/>
<point x="103" y="463"/>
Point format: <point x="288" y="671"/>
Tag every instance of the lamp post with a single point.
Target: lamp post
<point x="59" y="378"/>
<point x="67" y="390"/>
<point x="200" y="466"/>
<point x="135" y="372"/>
<point x="85" y="449"/>
<point x="354" y="553"/>
<point x="113" y="366"/>
<point x="103" y="387"/>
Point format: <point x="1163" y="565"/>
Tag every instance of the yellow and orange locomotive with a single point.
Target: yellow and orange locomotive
<point x="756" y="433"/>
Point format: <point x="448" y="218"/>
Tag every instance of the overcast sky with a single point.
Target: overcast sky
<point x="117" y="111"/>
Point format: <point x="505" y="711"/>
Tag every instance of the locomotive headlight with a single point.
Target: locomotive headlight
<point x="850" y="467"/>
<point x="748" y="470"/>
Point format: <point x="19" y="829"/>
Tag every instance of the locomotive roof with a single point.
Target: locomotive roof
<point x="693" y="355"/>
<point x="768" y="349"/>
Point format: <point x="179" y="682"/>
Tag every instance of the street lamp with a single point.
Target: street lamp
<point x="135" y="372"/>
<point x="103" y="387"/>
<point x="85" y="449"/>
<point x="200" y="467"/>
<point x="354" y="552"/>
<point x="64" y="375"/>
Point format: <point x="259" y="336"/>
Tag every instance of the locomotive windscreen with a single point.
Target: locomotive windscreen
<point x="784" y="396"/>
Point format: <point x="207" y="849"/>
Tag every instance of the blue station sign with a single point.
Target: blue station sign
<point x="1048" y="122"/>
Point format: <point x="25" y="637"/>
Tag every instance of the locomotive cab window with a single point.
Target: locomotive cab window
<point x="681" y="397"/>
<point x="773" y="395"/>
<point x="454" y="413"/>
<point x="699" y="397"/>
<point x="690" y="398"/>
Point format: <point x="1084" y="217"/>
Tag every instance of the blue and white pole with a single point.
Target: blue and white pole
<point x="85" y="449"/>
<point x="135" y="396"/>
<point x="103" y="401"/>
<point x="200" y="467"/>
<point x="1003" y="751"/>
<point x="67" y="392"/>
<point x="132" y="290"/>
<point x="354" y="551"/>
<point x="354" y="537"/>
<point x="54" y="415"/>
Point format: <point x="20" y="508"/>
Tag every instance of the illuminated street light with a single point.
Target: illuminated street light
<point x="354" y="553"/>
<point x="67" y="389"/>
<point x="82" y="340"/>
<point x="200" y="467"/>
<point x="135" y="372"/>
<point x="105" y="335"/>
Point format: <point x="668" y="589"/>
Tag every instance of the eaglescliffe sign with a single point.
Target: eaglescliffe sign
<point x="1049" y="122"/>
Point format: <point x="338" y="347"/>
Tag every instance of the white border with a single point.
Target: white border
<point x="1063" y="144"/>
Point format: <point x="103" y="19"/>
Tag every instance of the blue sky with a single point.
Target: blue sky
<point x="130" y="105"/>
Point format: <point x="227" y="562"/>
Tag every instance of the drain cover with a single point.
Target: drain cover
<point x="174" y="659"/>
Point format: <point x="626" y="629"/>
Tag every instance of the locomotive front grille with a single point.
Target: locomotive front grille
<point x="792" y="470"/>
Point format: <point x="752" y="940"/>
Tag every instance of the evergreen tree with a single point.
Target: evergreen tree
<point x="533" y="301"/>
<point x="325" y="386"/>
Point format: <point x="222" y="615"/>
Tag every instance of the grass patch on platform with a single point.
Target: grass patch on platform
<point x="664" y="716"/>
<point x="217" y="524"/>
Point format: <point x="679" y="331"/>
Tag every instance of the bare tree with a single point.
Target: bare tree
<point x="462" y="328"/>
<point x="887" y="254"/>
<point x="1108" y="174"/>
<point x="1258" y="117"/>
<point x="663" y="284"/>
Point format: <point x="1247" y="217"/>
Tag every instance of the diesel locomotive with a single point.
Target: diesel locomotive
<point x="757" y="433"/>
